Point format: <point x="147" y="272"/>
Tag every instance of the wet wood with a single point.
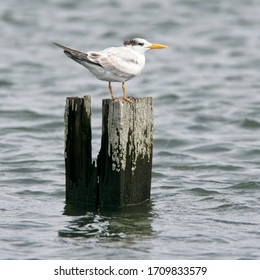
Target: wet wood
<point x="81" y="179"/>
<point x="125" y="158"/>
<point x="122" y="177"/>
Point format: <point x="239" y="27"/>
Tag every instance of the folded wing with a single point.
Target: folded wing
<point x="119" y="61"/>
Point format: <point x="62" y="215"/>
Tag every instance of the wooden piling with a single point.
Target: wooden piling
<point x="81" y="179"/>
<point x="122" y="177"/>
<point x="125" y="158"/>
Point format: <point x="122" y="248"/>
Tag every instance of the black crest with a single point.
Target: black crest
<point x="132" y="42"/>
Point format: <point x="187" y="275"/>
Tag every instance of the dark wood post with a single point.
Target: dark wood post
<point x="122" y="177"/>
<point x="81" y="179"/>
<point x="125" y="158"/>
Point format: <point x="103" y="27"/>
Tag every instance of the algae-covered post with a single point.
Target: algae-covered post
<point x="125" y="158"/>
<point x="122" y="177"/>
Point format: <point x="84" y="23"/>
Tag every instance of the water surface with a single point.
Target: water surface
<point x="205" y="89"/>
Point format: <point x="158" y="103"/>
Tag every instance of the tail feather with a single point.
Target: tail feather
<point x="72" y="53"/>
<point x="76" y="55"/>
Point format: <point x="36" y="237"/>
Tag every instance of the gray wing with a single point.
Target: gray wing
<point x="80" y="57"/>
<point x="115" y="60"/>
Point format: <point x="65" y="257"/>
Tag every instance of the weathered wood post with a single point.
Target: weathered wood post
<point x="122" y="177"/>
<point x="125" y="158"/>
<point x="81" y="185"/>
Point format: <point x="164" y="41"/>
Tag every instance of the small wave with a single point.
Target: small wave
<point x="250" y="124"/>
<point x="246" y="186"/>
<point x="203" y="192"/>
<point x="233" y="222"/>
<point x="5" y="83"/>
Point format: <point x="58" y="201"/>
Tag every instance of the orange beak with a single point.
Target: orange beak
<point x="157" y="46"/>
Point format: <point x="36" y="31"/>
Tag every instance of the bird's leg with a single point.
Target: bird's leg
<point x="110" y="91"/>
<point x="124" y="91"/>
<point x="123" y="88"/>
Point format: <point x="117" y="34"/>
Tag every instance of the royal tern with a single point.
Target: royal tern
<point x="115" y="64"/>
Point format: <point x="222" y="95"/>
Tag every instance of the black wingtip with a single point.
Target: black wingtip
<point x="68" y="54"/>
<point x="57" y="44"/>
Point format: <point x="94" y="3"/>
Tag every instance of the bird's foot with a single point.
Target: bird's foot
<point x="123" y="98"/>
<point x="127" y="99"/>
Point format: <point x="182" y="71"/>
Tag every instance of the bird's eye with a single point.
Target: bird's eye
<point x="140" y="44"/>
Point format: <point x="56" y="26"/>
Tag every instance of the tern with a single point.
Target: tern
<point x="114" y="64"/>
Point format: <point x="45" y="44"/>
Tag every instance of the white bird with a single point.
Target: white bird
<point x="115" y="64"/>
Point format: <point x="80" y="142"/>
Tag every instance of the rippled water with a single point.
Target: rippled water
<point x="205" y="89"/>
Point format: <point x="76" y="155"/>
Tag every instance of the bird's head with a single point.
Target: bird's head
<point x="141" y="45"/>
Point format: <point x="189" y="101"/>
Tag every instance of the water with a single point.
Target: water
<point x="205" y="89"/>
